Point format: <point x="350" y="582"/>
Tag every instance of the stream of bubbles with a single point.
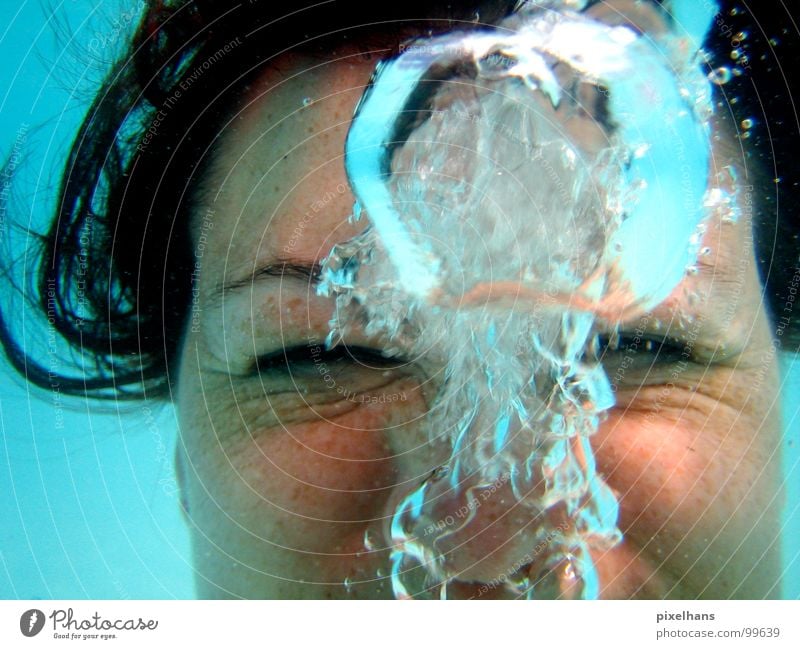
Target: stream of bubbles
<point x="521" y="183"/>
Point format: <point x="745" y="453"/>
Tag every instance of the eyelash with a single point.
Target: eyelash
<point x="663" y="350"/>
<point x="303" y="357"/>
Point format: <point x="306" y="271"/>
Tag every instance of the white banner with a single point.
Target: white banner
<point x="385" y="625"/>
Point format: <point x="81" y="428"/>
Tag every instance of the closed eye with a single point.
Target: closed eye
<point x="643" y="348"/>
<point x="315" y="358"/>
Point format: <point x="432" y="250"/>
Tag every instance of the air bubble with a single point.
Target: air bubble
<point x="436" y="278"/>
<point x="370" y="541"/>
<point x="747" y="124"/>
<point x="307" y="101"/>
<point x="720" y="76"/>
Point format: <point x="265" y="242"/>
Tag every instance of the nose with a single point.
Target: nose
<point x="479" y="535"/>
<point x="524" y="532"/>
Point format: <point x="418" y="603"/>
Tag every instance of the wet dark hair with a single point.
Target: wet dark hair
<point x="114" y="270"/>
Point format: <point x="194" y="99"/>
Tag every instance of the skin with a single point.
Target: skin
<point x="283" y="472"/>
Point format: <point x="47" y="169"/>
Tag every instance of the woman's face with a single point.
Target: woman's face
<point x="287" y="466"/>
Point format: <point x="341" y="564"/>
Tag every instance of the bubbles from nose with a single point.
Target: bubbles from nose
<point x="479" y="535"/>
<point x="465" y="537"/>
<point x="519" y="401"/>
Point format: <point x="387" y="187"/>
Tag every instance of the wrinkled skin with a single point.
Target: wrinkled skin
<point x="284" y="469"/>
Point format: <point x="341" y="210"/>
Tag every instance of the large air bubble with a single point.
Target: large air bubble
<point x="520" y="183"/>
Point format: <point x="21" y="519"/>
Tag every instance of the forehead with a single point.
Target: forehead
<point x="277" y="187"/>
<point x="278" y="192"/>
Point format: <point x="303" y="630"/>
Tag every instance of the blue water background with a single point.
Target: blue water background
<point x="88" y="500"/>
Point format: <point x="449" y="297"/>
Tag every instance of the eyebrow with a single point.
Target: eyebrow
<point x="281" y="268"/>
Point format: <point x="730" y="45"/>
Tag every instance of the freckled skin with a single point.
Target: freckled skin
<point x="283" y="475"/>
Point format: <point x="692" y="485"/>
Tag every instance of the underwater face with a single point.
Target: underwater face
<point x="293" y="457"/>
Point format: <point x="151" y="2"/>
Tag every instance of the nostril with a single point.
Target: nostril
<point x="559" y="579"/>
<point x="562" y="578"/>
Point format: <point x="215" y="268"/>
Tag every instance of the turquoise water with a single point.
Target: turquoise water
<point x="89" y="504"/>
<point x="89" y="501"/>
<point x="790" y="388"/>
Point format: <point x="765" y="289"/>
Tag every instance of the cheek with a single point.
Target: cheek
<point x="698" y="480"/>
<point x="315" y="485"/>
<point x="319" y="473"/>
<point x="676" y="451"/>
<point x="654" y="460"/>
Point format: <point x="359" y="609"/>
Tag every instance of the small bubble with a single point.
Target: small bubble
<point x="736" y="53"/>
<point x="746" y="135"/>
<point x="734" y="11"/>
<point x="774" y="42"/>
<point x="704" y="252"/>
<point x="720" y="76"/>
<point x="741" y="36"/>
<point x="307" y="101"/>
<point x="369" y="540"/>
